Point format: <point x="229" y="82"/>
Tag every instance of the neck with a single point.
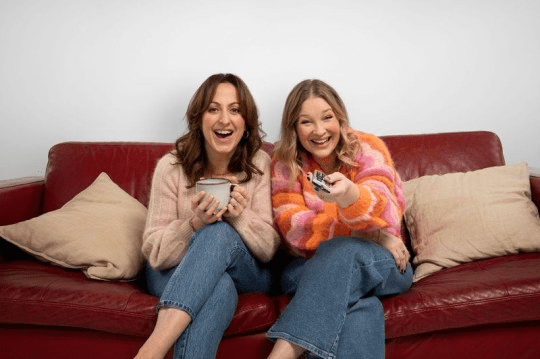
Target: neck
<point x="328" y="164"/>
<point x="218" y="167"/>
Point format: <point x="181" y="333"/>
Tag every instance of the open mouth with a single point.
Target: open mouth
<point x="321" y="142"/>
<point x="223" y="133"/>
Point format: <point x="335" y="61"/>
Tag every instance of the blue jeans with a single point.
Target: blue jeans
<point x="217" y="266"/>
<point x="335" y="311"/>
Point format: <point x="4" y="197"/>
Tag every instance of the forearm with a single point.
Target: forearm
<point x="258" y="234"/>
<point x="165" y="246"/>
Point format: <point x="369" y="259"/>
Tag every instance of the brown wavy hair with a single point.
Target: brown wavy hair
<point x="289" y="150"/>
<point x="189" y="148"/>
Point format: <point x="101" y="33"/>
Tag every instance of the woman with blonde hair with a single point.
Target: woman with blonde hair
<point x="201" y="257"/>
<point x="342" y="228"/>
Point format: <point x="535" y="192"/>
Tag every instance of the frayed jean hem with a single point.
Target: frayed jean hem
<point x="175" y="305"/>
<point x="301" y="343"/>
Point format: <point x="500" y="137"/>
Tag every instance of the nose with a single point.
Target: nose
<point x="224" y="117"/>
<point x="319" y="129"/>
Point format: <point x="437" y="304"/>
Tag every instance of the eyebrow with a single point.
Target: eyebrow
<point x="324" y="111"/>
<point x="217" y="103"/>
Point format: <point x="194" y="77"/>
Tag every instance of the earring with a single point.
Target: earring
<point x="246" y="134"/>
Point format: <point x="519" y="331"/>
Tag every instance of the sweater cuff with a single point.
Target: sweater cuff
<point x="359" y="207"/>
<point x="185" y="230"/>
<point x="238" y="222"/>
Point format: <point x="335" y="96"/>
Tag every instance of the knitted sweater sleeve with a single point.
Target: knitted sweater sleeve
<point x="302" y="219"/>
<point x="168" y="232"/>
<point x="380" y="203"/>
<point x="255" y="224"/>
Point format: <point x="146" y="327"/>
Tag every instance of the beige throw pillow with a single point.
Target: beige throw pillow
<point x="99" y="231"/>
<point x="461" y="217"/>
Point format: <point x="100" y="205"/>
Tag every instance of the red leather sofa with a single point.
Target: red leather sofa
<point x="484" y="309"/>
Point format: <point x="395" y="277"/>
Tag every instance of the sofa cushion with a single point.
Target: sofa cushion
<point x="99" y="231"/>
<point x="461" y="217"/>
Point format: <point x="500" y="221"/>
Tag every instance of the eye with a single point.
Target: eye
<point x="235" y="110"/>
<point x="304" y="121"/>
<point x="329" y="117"/>
<point x="213" y="109"/>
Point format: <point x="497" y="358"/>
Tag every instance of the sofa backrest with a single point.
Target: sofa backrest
<point x="73" y="166"/>
<point x="436" y="154"/>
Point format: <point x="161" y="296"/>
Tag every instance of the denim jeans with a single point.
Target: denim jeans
<point x="335" y="311"/>
<point x="217" y="266"/>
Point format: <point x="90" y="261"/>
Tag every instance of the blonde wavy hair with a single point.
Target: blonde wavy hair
<point x="289" y="150"/>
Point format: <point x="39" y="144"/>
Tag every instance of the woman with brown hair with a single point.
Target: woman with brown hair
<point x="200" y="257"/>
<point x="338" y="205"/>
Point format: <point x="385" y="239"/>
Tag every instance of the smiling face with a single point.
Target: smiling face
<point x="318" y="130"/>
<point x="222" y="123"/>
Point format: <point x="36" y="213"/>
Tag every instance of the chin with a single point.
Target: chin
<point x="322" y="153"/>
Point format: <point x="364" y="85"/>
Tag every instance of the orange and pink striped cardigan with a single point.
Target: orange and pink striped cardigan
<point x="304" y="221"/>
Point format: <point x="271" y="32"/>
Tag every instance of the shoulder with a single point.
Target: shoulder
<point x="373" y="150"/>
<point x="370" y="143"/>
<point x="168" y="167"/>
<point x="370" y="140"/>
<point x="167" y="163"/>
<point x="169" y="159"/>
<point x="262" y="160"/>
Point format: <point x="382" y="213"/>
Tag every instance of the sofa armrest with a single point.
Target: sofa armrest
<point x="20" y="199"/>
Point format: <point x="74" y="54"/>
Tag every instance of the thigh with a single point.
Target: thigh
<point x="247" y="272"/>
<point x="377" y="273"/>
<point x="290" y="277"/>
<point x="374" y="268"/>
<point x="156" y="281"/>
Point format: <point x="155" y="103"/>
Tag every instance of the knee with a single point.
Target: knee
<point x="219" y="237"/>
<point x="218" y="234"/>
<point x="347" y="249"/>
<point x="341" y="246"/>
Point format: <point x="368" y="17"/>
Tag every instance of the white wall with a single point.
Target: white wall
<point x="125" y="69"/>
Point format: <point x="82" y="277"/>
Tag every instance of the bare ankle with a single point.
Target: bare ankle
<point x="151" y="351"/>
<point x="285" y="350"/>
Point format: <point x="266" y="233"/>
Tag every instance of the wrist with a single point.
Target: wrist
<point x="195" y="224"/>
<point x="349" y="197"/>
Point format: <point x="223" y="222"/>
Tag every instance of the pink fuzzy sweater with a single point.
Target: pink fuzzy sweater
<point x="168" y="233"/>
<point x="304" y="220"/>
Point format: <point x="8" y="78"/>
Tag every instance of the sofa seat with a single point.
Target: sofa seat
<point x="486" y="292"/>
<point x="491" y="291"/>
<point x="34" y="293"/>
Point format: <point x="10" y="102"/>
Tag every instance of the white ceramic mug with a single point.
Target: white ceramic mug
<point x="220" y="188"/>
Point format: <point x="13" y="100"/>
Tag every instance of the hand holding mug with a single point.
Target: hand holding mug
<point x="211" y="201"/>
<point x="205" y="210"/>
<point x="237" y="203"/>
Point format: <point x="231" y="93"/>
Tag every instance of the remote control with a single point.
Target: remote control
<point x="318" y="181"/>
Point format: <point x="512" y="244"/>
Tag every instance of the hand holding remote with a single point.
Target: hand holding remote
<point x="318" y="181"/>
<point x="341" y="190"/>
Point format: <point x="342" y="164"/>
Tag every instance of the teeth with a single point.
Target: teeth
<point x="320" y="142"/>
<point x="223" y="132"/>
